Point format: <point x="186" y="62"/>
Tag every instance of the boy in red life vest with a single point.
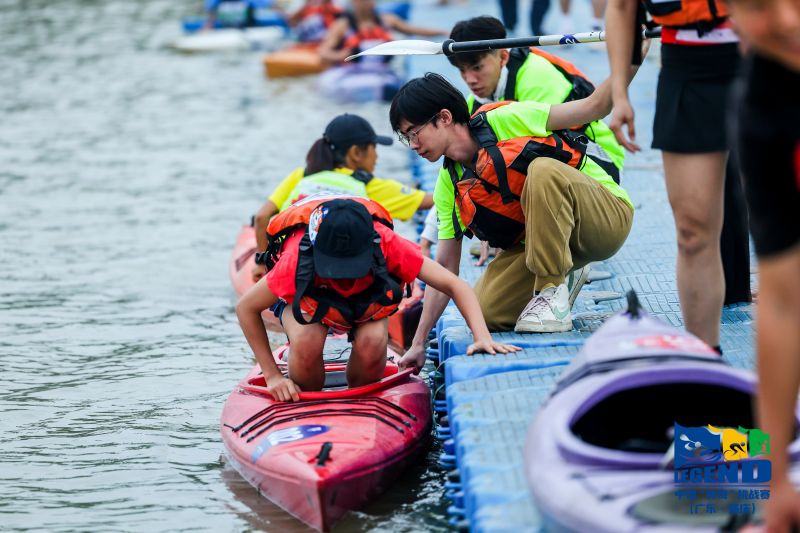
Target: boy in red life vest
<point x="341" y="267"/>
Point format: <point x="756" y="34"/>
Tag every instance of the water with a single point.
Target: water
<point x="127" y="171"/>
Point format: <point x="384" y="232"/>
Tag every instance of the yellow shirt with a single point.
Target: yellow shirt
<point x="400" y="200"/>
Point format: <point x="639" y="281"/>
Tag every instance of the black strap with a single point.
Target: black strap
<point x="304" y="283"/>
<point x="450" y="166"/>
<point x="383" y="282"/>
<point x="608" y="167"/>
<point x="577" y="140"/>
<point x="356" y="305"/>
<point x="516" y="58"/>
<point x="363" y="176"/>
<point x="486" y="138"/>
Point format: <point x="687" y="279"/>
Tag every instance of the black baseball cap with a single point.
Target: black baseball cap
<point x="341" y="233"/>
<point x="347" y="130"/>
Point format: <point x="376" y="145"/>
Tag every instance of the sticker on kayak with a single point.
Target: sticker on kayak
<point x="671" y="342"/>
<point x="282" y="436"/>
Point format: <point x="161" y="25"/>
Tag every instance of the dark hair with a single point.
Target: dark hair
<point x="421" y="98"/>
<point x="475" y="29"/>
<point x="322" y="157"/>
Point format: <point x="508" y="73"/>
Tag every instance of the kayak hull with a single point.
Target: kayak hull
<point x="360" y="83"/>
<point x="227" y="40"/>
<point x="371" y="433"/>
<point x="297" y="60"/>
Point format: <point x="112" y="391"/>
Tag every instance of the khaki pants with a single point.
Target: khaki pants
<point x="570" y="221"/>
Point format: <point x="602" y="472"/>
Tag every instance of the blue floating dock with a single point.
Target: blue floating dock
<point x="491" y="400"/>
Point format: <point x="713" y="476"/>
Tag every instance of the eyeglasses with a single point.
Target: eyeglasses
<point x="413" y="136"/>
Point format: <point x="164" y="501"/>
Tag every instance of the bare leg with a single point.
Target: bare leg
<point x="779" y="373"/>
<point x="306" y="367"/>
<point x="695" y="184"/>
<point x="598" y="8"/>
<point x="368" y="358"/>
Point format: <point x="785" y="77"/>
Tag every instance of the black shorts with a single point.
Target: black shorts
<point x="692" y="95"/>
<point x="768" y="150"/>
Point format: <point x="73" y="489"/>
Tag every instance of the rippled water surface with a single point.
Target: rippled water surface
<point x="127" y="170"/>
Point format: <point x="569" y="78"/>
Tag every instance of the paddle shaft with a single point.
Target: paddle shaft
<point x="450" y="47"/>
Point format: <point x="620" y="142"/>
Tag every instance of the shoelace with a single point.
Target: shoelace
<point x="538" y="302"/>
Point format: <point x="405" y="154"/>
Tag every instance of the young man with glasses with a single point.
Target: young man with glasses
<point x="516" y="176"/>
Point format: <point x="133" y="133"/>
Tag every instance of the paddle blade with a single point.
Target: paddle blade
<point x="407" y="47"/>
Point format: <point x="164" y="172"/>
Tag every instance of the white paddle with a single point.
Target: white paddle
<point x="409" y="47"/>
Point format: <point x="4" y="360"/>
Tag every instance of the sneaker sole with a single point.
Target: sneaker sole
<point x="544" y="328"/>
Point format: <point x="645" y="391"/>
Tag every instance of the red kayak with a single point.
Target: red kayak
<point x="335" y="449"/>
<point x="243" y="260"/>
<point x="402" y="324"/>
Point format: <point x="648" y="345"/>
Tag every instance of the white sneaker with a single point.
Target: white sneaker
<point x="575" y="281"/>
<point x="547" y="312"/>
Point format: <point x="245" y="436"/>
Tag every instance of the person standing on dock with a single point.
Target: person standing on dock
<point x="516" y="176"/>
<point x="767" y="144"/>
<point x="509" y="11"/>
<point x="700" y="59"/>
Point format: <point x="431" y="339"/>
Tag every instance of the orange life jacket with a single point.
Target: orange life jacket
<point x="581" y="86"/>
<point x="328" y="11"/>
<point x="700" y="14"/>
<point x="313" y="21"/>
<point x="357" y="40"/>
<point x="488" y="197"/>
<point x="326" y="305"/>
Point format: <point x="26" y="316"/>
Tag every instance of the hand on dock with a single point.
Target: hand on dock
<point x="491" y="346"/>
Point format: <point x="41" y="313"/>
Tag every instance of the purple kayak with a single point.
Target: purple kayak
<point x="599" y="454"/>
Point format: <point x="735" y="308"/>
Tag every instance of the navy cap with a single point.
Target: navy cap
<point x="347" y="130"/>
<point x="341" y="234"/>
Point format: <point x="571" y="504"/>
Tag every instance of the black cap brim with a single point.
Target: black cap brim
<point x="351" y="267"/>
<point x="384" y="140"/>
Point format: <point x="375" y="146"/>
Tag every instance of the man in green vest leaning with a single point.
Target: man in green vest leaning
<point x="516" y="176"/>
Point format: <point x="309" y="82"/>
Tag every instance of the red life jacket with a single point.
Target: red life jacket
<point x="323" y="304"/>
<point x="701" y="14"/>
<point x="488" y="198"/>
<point x="357" y="40"/>
<point x="328" y="11"/>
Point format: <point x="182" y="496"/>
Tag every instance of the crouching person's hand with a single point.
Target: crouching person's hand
<point x="283" y="389"/>
<point x="413" y="358"/>
<point x="491" y="346"/>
